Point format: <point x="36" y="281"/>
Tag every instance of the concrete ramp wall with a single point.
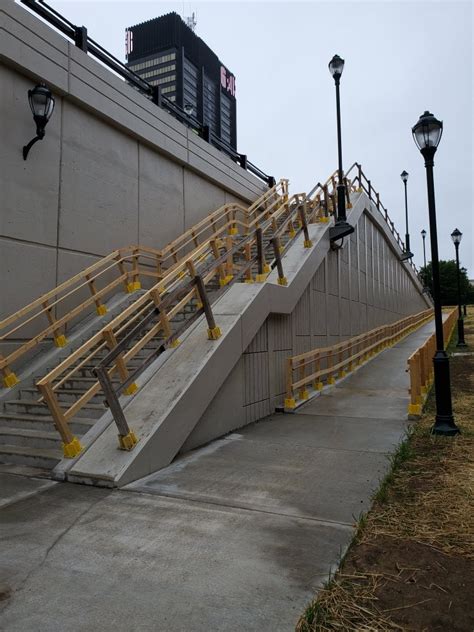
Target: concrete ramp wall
<point x="208" y="388"/>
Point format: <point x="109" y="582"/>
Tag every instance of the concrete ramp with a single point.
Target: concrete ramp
<point x="196" y="386"/>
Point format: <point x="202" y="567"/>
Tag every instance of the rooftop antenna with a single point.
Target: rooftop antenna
<point x="192" y="22"/>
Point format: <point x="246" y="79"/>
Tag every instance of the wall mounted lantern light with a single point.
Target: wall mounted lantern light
<point x="42" y="105"/>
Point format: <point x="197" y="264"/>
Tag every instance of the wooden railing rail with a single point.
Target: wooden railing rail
<point x="420" y="366"/>
<point x="128" y="265"/>
<point x="225" y="259"/>
<point x="323" y="365"/>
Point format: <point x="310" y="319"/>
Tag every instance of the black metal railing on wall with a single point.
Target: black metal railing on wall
<point x="78" y="34"/>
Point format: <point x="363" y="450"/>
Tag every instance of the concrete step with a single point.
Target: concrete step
<point x="34" y="408"/>
<point x="36" y="457"/>
<point x="30" y="438"/>
<point x="63" y="394"/>
<point x="78" y="425"/>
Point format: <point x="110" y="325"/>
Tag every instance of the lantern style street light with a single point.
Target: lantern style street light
<point x="427" y="134"/>
<point x="407" y="254"/>
<point x="456" y="236"/>
<point x="341" y="227"/>
<point x="42" y="105"/>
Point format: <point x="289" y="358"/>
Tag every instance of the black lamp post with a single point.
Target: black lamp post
<point x="341" y="227"/>
<point x="456" y="236"/>
<point x="427" y="134"/>
<point x="407" y="254"/>
<point x="423" y="236"/>
<point x="42" y="105"/>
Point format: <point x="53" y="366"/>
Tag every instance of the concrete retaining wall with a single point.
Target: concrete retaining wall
<point x="112" y="170"/>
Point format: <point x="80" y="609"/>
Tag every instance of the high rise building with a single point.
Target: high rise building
<point x="167" y="52"/>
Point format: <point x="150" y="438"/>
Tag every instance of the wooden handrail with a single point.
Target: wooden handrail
<point x="176" y="289"/>
<point x="336" y="360"/>
<point x="420" y="367"/>
<point x="141" y="261"/>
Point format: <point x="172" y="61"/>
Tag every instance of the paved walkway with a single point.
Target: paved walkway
<point x="235" y="536"/>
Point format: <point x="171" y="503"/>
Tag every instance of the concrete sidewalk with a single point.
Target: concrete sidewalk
<point x="235" y="536"/>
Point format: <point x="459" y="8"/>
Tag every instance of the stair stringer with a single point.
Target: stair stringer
<point x="169" y="406"/>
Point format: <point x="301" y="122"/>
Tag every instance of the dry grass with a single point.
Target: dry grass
<point x="427" y="499"/>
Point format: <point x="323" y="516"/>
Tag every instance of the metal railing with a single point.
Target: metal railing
<point x="78" y="34"/>
<point x="366" y="185"/>
<point x="420" y="367"/>
<point x="315" y="368"/>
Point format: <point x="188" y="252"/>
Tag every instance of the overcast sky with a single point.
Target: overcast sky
<point x="401" y="58"/>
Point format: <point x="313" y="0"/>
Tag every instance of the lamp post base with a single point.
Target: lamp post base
<point x="444" y="424"/>
<point x="444" y="427"/>
<point x="461" y="342"/>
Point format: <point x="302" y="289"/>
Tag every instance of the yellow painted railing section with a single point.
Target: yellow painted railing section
<point x="420" y="367"/>
<point x="308" y="373"/>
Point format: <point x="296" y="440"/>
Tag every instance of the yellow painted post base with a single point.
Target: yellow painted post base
<point x="281" y="249"/>
<point x="414" y="409"/>
<point x="342" y="373"/>
<point x="318" y="386"/>
<point x="324" y="219"/>
<point x="291" y="233"/>
<point x="127" y="442"/>
<point x="303" y="394"/>
<point x="60" y="341"/>
<point x="249" y="280"/>
<point x="133" y="286"/>
<point x="214" y="334"/>
<point x="261" y="278"/>
<point x="331" y="380"/>
<point x="219" y="243"/>
<point x="308" y="243"/>
<point x="227" y="279"/>
<point x="199" y="305"/>
<point x="101" y="310"/>
<point x="72" y="449"/>
<point x="131" y="389"/>
<point x="233" y="231"/>
<point x="266" y="267"/>
<point x="10" y="380"/>
<point x="174" y="343"/>
<point x="290" y="402"/>
<point x="282" y="280"/>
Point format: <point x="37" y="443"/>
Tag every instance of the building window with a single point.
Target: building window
<point x="190" y="84"/>
<point x="226" y="119"/>
<point x="209" y="102"/>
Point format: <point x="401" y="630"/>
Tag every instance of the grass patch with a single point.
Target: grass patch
<point x="411" y="561"/>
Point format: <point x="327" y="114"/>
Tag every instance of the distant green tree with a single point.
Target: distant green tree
<point x="449" y="283"/>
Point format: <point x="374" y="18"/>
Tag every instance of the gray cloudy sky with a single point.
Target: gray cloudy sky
<point x="401" y="59"/>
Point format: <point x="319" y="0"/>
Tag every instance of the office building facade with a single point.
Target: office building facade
<point x="165" y="52"/>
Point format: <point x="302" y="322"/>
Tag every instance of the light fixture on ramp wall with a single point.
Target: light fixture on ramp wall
<point x="341" y="227"/>
<point x="456" y="236"/>
<point x="42" y="105"/>
<point x="407" y="254"/>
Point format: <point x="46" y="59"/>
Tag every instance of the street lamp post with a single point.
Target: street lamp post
<point x="456" y="236"/>
<point x="407" y="254"/>
<point x="341" y="227"/>
<point x="423" y="236"/>
<point x="427" y="134"/>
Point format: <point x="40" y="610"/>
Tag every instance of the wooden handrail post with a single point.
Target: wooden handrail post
<point x="164" y="320"/>
<point x="111" y="342"/>
<point x="223" y="279"/>
<point x="302" y="213"/>
<point x="302" y="392"/>
<point x="248" y="257"/>
<point x="317" y="384"/>
<point x="213" y="332"/>
<point x="262" y="268"/>
<point x="9" y="378"/>
<point x="101" y="309"/>
<point x="71" y="444"/>
<point x="123" y="272"/>
<point x="282" y="280"/>
<point x="60" y="339"/>
<point x="290" y="401"/>
<point x="229" y="267"/>
<point x="329" y="360"/>
<point x="127" y="438"/>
